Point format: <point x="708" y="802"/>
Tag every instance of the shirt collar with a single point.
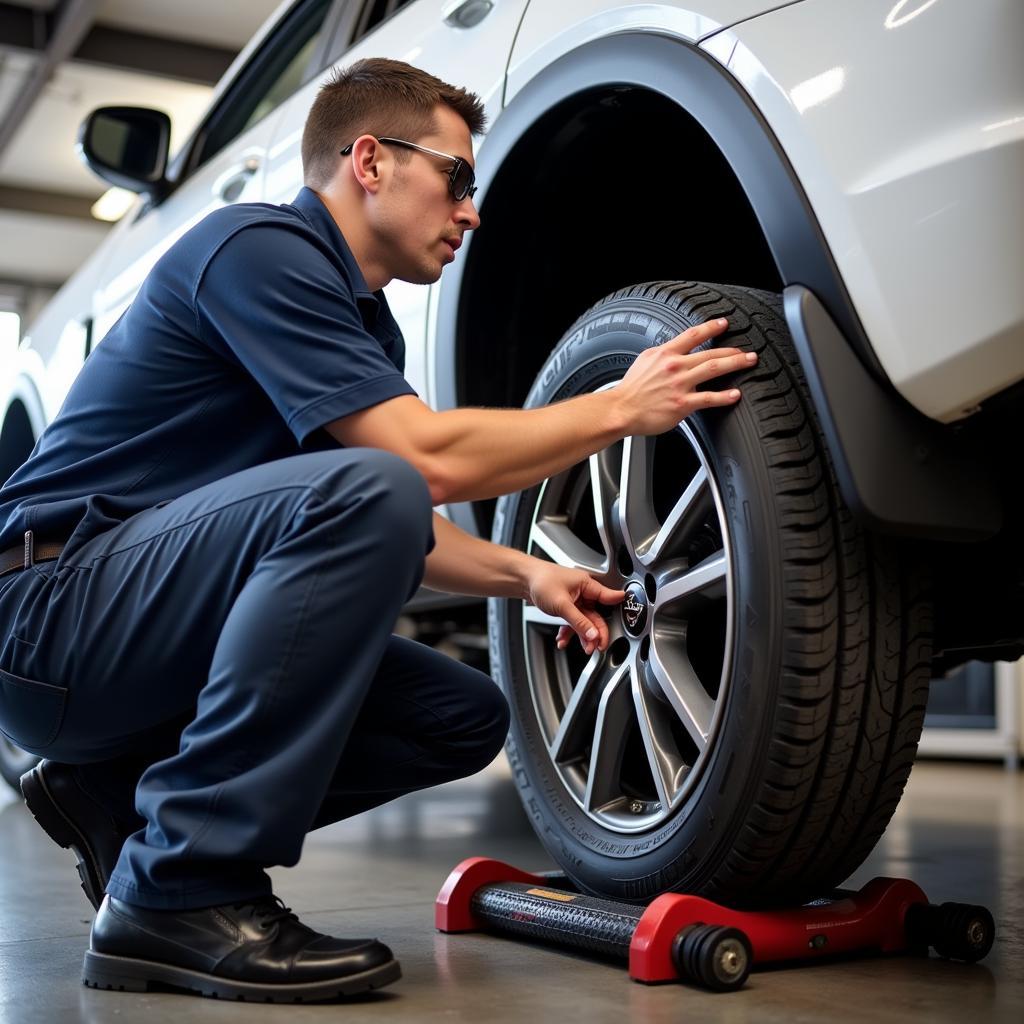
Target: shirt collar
<point x="319" y="217"/>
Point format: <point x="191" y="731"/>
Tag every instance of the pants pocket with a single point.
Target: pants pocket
<point x="31" y="713"/>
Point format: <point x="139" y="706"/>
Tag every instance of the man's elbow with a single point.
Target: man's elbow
<point x="447" y="486"/>
<point x="437" y="481"/>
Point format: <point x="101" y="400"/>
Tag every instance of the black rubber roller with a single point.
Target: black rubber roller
<point x="714" y="956"/>
<point x="567" y="919"/>
<point x="958" y="931"/>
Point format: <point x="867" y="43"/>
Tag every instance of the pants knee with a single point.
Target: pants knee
<point x="383" y="494"/>
<point x="502" y="720"/>
<point x="492" y="729"/>
<point x="404" y="496"/>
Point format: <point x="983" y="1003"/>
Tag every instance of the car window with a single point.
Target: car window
<point x="373" y="13"/>
<point x="287" y="82"/>
<point x="273" y="74"/>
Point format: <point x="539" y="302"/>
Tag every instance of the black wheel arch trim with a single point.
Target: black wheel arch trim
<point x="898" y="470"/>
<point x="955" y="500"/>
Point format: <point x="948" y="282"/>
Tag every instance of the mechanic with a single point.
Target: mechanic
<point x="205" y="554"/>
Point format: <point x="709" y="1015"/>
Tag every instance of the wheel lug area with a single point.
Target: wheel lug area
<point x="618" y="651"/>
<point x="645" y="647"/>
<point x="651" y="586"/>
<point x="624" y="561"/>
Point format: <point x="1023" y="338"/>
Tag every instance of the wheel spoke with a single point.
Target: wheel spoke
<point x="615" y="715"/>
<point x="531" y="613"/>
<point x="707" y="578"/>
<point x="555" y="538"/>
<point x="637" y="521"/>
<point x="575" y="729"/>
<point x="683" y="689"/>
<point x="605" y="471"/>
<point x="667" y="767"/>
<point x="689" y="511"/>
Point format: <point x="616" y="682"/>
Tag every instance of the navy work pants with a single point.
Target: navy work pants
<point x="227" y="660"/>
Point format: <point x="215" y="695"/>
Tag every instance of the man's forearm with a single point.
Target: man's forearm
<point x="463" y="564"/>
<point x="483" y="453"/>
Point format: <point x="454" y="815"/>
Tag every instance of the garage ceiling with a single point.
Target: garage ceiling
<point x="59" y="61"/>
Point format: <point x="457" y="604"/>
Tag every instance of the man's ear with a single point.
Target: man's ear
<point x="367" y="156"/>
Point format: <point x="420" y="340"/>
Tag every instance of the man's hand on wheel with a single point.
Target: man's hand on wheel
<point x="573" y="595"/>
<point x="660" y="388"/>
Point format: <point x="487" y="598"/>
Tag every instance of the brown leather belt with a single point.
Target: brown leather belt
<point x="29" y="553"/>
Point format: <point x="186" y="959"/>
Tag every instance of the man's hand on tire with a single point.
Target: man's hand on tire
<point x="660" y="388"/>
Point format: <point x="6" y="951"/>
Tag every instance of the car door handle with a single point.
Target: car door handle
<point x="466" y="13"/>
<point x="229" y="185"/>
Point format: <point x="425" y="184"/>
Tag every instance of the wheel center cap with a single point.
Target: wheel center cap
<point x="634" y="609"/>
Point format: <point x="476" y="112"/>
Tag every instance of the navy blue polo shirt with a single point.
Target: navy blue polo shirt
<point x="253" y="331"/>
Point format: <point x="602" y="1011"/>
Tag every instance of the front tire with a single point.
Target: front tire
<point x="750" y="740"/>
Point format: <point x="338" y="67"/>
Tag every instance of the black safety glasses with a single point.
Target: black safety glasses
<point x="460" y="177"/>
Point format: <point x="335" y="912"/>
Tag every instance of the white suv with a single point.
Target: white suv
<point x="799" y="566"/>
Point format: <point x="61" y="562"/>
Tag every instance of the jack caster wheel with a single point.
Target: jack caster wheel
<point x="716" y="957"/>
<point x="958" y="931"/>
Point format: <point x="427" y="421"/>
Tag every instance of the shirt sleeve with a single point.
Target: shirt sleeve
<point x="272" y="301"/>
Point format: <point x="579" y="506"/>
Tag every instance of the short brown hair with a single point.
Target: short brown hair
<point x="379" y="97"/>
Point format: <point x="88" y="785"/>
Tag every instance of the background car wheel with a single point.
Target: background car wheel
<point x="14" y="762"/>
<point x="750" y="729"/>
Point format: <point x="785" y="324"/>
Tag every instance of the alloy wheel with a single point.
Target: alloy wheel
<point x="629" y="729"/>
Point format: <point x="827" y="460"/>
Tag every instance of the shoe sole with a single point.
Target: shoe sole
<point x="123" y="974"/>
<point x="64" y="832"/>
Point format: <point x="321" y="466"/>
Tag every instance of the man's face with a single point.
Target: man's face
<point x="417" y="223"/>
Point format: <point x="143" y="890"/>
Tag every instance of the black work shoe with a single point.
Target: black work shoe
<point x="257" y="949"/>
<point x="73" y="818"/>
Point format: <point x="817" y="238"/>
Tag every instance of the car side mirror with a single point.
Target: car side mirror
<point x="127" y="146"/>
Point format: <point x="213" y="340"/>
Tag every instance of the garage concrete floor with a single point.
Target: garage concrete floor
<point x="959" y="834"/>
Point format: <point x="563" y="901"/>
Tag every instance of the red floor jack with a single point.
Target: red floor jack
<point x="679" y="937"/>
